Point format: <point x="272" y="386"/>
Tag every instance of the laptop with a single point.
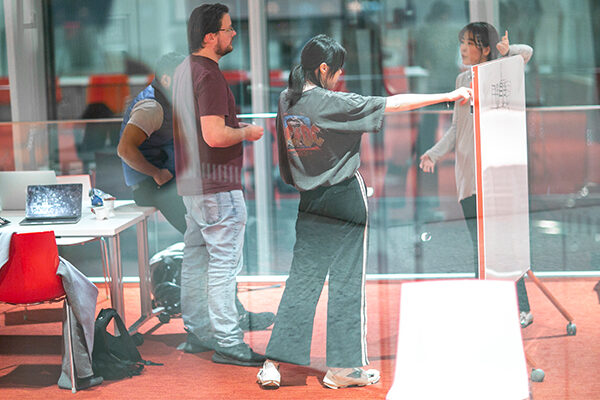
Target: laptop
<point x="53" y="204"/>
<point x="13" y="186"/>
<point x="87" y="186"/>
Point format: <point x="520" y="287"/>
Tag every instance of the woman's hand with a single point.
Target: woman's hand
<point x="426" y="164"/>
<point x="503" y="45"/>
<point x="462" y="93"/>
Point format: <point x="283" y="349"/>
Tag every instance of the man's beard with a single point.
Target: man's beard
<point x="223" y="51"/>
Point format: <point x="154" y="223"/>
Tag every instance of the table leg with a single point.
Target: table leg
<point x="116" y="274"/>
<point x="144" y="274"/>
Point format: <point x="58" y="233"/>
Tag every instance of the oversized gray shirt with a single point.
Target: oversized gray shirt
<point x="319" y="136"/>
<point x="460" y="135"/>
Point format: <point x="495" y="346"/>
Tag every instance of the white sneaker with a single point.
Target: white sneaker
<point x="269" y="375"/>
<point x="525" y="318"/>
<point x="337" y="378"/>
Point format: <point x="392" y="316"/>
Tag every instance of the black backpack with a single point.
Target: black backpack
<point x="115" y="357"/>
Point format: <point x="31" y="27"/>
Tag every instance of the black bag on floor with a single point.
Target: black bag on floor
<point x="114" y="357"/>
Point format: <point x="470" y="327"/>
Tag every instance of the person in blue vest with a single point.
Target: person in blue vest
<point x="146" y="145"/>
<point x="147" y="153"/>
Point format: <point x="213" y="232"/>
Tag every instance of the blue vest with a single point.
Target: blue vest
<point x="158" y="147"/>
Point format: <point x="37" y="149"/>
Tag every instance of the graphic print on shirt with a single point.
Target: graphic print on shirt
<point x="301" y="135"/>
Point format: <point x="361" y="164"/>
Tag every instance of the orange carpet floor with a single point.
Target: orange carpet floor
<point x="30" y="353"/>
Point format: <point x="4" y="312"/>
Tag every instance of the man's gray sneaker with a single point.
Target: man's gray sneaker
<point x="194" y="345"/>
<point x="240" y="354"/>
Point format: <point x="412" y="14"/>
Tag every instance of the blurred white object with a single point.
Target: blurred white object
<point x="443" y="353"/>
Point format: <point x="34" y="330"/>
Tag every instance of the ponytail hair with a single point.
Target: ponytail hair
<point x="320" y="49"/>
<point x="484" y="35"/>
<point x="296" y="83"/>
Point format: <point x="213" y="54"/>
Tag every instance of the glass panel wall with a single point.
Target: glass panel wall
<point x="393" y="46"/>
<point x="103" y="54"/>
<point x="408" y="233"/>
<point x="4" y="85"/>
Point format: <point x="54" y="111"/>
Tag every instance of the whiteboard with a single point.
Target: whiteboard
<point x="501" y="168"/>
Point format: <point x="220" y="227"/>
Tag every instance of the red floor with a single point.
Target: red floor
<point x="30" y="354"/>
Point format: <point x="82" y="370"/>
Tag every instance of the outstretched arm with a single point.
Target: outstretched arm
<point x="444" y="146"/>
<point x="405" y="102"/>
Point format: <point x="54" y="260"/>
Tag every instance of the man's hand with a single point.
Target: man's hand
<point x="216" y="134"/>
<point x="252" y="132"/>
<point x="462" y="93"/>
<point x="426" y="164"/>
<point x="162" y="176"/>
<point x="503" y="44"/>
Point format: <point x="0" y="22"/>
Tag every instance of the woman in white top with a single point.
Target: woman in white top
<point x="479" y="42"/>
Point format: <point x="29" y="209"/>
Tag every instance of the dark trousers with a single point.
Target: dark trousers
<point x="165" y="198"/>
<point x="331" y="237"/>
<point x="469" y="207"/>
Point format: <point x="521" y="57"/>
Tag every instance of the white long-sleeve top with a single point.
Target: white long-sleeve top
<point x="460" y="135"/>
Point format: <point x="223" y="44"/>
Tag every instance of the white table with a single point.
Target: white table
<point x="127" y="214"/>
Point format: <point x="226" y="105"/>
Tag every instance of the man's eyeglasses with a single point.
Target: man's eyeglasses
<point x="228" y="30"/>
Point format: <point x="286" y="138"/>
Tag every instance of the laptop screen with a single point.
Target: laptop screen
<point x="54" y="201"/>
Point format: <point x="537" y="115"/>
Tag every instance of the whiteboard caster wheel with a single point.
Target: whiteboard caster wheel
<point x="571" y="329"/>
<point x="537" y="375"/>
<point x="164" y="318"/>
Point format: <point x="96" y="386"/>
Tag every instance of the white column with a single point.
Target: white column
<point x="26" y="74"/>
<point x="263" y="159"/>
<point x="484" y="10"/>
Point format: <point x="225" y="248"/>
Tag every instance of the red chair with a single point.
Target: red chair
<point x="29" y="277"/>
<point x="110" y="89"/>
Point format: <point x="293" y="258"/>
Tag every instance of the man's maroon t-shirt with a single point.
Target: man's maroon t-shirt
<point x="219" y="168"/>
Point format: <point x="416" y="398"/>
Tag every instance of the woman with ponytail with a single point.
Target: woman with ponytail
<point x="318" y="134"/>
